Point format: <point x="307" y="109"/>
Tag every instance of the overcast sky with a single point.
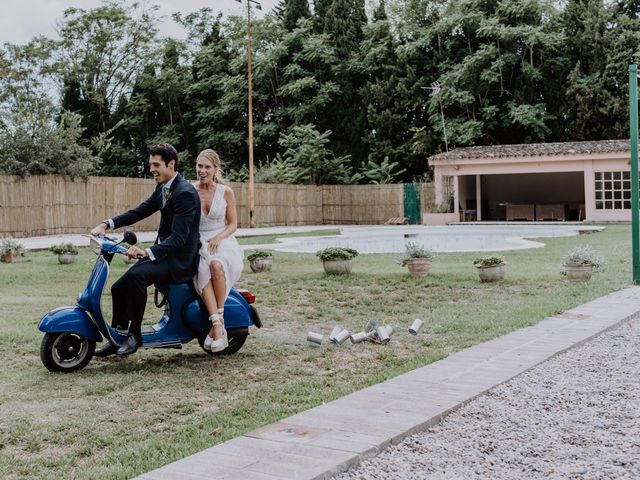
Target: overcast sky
<point x="21" y="20"/>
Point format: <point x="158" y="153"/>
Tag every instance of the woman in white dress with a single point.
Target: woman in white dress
<point x="221" y="258"/>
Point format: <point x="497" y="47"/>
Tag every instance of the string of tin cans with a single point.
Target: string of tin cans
<point x="372" y="332"/>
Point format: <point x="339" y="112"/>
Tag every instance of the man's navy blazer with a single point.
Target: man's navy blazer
<point x="178" y="238"/>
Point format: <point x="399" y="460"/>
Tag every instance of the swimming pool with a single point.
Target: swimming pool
<point x="453" y="238"/>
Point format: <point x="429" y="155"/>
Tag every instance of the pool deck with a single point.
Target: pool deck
<point x="515" y="241"/>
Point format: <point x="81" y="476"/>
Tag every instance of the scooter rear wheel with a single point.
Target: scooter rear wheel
<point x="66" y="352"/>
<point x="237" y="337"/>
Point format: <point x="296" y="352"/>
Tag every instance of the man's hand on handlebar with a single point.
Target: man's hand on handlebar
<point x="135" y="252"/>
<point x="100" y="230"/>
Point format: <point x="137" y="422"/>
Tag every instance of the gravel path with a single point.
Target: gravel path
<point x="576" y="416"/>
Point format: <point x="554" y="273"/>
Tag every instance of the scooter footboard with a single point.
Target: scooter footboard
<point x="69" y="319"/>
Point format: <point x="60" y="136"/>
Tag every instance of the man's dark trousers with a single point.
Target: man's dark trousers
<point x="129" y="293"/>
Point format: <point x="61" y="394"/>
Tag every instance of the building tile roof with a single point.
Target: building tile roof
<point x="535" y="149"/>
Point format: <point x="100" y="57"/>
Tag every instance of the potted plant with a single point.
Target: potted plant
<point x="417" y="259"/>
<point x="580" y="262"/>
<point x="10" y="250"/>
<point x="67" y="253"/>
<point x="260" y="261"/>
<point x="337" y="260"/>
<point x="491" y="268"/>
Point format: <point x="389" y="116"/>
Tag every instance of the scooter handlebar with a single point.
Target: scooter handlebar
<point x="109" y="244"/>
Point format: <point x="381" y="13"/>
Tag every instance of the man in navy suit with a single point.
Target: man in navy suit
<point x="174" y="256"/>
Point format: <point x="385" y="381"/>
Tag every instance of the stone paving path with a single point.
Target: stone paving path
<point x="327" y="440"/>
<point x="575" y="416"/>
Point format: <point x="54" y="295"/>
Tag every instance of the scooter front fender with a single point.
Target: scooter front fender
<point x="70" y="319"/>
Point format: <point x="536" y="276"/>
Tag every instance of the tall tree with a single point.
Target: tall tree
<point x="102" y="50"/>
<point x="492" y="70"/>
<point x="387" y="132"/>
<point x="320" y="8"/>
<point x="343" y="24"/>
<point x="294" y="10"/>
<point x="598" y="36"/>
<point x="303" y="67"/>
<point x="34" y="137"/>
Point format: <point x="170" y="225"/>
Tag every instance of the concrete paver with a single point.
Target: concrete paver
<point x="327" y="439"/>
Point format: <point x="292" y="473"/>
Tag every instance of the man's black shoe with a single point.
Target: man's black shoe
<point x="130" y="345"/>
<point x="108" y="349"/>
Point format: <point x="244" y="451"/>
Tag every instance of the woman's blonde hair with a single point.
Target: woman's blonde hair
<point x="213" y="157"/>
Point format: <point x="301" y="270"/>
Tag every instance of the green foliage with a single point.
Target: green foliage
<point x="294" y="10"/>
<point x="64" y="248"/>
<point x="379" y="173"/>
<point x="36" y="148"/>
<point x="488" y="261"/>
<point x="443" y="208"/>
<point x="307" y="154"/>
<point x="336" y="253"/>
<point x="584" y="255"/>
<point x="414" y="250"/>
<point x="8" y="244"/>
<point x="257" y="254"/>
<point x="101" y="52"/>
<point x="337" y="97"/>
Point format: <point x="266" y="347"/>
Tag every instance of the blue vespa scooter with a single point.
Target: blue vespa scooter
<point x="71" y="333"/>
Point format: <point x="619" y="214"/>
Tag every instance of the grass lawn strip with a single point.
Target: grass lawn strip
<point x="121" y="417"/>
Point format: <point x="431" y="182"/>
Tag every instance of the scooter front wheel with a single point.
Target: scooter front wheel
<point x="66" y="352"/>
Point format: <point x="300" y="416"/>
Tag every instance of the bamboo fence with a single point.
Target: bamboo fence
<point x="53" y="204"/>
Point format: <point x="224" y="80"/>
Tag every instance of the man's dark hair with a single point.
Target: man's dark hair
<point x="167" y="152"/>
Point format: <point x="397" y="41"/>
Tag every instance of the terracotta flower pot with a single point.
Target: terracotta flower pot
<point x="337" y="267"/>
<point x="11" y="257"/>
<point x="418" y="267"/>
<point x="261" y="265"/>
<point x="578" y="272"/>
<point x="492" y="273"/>
<point x="67" y="258"/>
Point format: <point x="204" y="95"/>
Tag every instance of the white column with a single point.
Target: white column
<point x="437" y="180"/>
<point x="456" y="196"/>
<point x="478" y="199"/>
<point x="589" y="191"/>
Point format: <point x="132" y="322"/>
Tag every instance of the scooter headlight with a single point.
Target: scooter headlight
<point x="96" y="246"/>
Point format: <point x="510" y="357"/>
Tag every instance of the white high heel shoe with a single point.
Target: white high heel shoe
<point x="223" y="342"/>
<point x="207" y="342"/>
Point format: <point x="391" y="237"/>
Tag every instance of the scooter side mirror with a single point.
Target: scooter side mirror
<point x="130" y="237"/>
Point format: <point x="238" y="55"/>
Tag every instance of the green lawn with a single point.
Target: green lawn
<point x="121" y="417"/>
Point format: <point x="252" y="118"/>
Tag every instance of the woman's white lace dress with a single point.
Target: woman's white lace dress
<point x="229" y="253"/>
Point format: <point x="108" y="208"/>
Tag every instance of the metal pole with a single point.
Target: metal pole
<point x="444" y="128"/>
<point x="252" y="220"/>
<point x="633" y="137"/>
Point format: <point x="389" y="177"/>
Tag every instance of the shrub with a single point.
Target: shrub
<point x="256" y="254"/>
<point x="8" y="244"/>
<point x="488" y="261"/>
<point x="336" y="253"/>
<point x="64" y="248"/>
<point x="414" y="250"/>
<point x="584" y="255"/>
